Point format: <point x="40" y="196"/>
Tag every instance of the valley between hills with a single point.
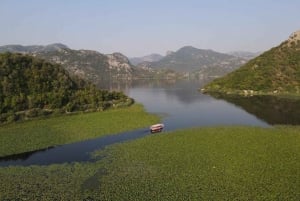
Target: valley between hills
<point x="50" y="98"/>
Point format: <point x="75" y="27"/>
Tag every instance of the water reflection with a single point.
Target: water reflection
<point x="184" y="106"/>
<point x="181" y="103"/>
<point x="271" y="109"/>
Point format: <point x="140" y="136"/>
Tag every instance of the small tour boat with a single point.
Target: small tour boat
<point x="156" y="128"/>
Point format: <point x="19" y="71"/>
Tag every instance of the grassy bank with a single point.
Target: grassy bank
<point x="38" y="134"/>
<point x="231" y="163"/>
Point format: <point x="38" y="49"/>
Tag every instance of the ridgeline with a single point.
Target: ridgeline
<point x="31" y="87"/>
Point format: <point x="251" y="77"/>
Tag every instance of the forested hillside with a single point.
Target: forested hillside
<point x="31" y="87"/>
<point x="276" y="71"/>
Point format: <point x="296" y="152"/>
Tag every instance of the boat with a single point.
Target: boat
<point x="156" y="128"/>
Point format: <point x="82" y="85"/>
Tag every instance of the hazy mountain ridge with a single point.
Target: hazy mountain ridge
<point x="245" y="54"/>
<point x="32" y="48"/>
<point x="197" y="61"/>
<point x="97" y="67"/>
<point x="147" y="58"/>
<point x="276" y="71"/>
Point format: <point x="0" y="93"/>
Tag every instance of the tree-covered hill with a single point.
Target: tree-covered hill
<point x="276" y="71"/>
<point x="31" y="87"/>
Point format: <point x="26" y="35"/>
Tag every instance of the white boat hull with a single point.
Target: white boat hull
<point x="156" y="128"/>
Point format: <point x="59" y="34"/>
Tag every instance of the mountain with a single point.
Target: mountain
<point x="276" y="71"/>
<point x="189" y="59"/>
<point x="87" y="64"/>
<point x="148" y="58"/>
<point x="32" y="48"/>
<point x="244" y="54"/>
<point x="31" y="87"/>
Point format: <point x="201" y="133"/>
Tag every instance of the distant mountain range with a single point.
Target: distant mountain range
<point x="32" y="48"/>
<point x="148" y="58"/>
<point x="97" y="67"/>
<point x="90" y="65"/>
<point x="276" y="71"/>
<point x="199" y="62"/>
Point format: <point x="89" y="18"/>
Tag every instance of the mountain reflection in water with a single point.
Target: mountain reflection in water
<point x="271" y="109"/>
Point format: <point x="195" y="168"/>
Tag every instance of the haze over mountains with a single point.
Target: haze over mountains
<point x="97" y="67"/>
<point x="147" y="58"/>
<point x="245" y="54"/>
<point x="32" y="48"/>
<point x="200" y="62"/>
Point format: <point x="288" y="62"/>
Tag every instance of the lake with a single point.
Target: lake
<point x="180" y="105"/>
<point x="183" y="106"/>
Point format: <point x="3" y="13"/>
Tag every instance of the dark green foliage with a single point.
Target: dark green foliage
<point x="31" y="87"/>
<point x="275" y="71"/>
<point x="43" y="133"/>
<point x="271" y="109"/>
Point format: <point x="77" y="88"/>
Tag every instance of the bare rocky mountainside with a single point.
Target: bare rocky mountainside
<point x="90" y="65"/>
<point x="197" y="62"/>
<point x="147" y="58"/>
<point x="97" y="67"/>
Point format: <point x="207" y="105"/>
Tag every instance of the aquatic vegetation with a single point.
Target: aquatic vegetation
<point x="54" y="182"/>
<point x="220" y="163"/>
<point x="231" y="163"/>
<point x="42" y="133"/>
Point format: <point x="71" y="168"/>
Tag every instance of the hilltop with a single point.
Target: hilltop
<point x="276" y="71"/>
<point x="31" y="87"/>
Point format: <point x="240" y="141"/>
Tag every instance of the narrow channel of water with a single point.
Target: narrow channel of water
<point x="75" y="152"/>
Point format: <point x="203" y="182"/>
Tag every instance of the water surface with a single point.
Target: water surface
<point x="180" y="105"/>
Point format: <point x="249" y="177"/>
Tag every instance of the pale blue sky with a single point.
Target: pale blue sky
<point x="140" y="27"/>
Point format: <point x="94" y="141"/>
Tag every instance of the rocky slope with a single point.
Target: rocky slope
<point x="147" y="58"/>
<point x="199" y="62"/>
<point x="90" y="65"/>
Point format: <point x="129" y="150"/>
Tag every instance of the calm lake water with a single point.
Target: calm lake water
<point x="180" y="105"/>
<point x="183" y="106"/>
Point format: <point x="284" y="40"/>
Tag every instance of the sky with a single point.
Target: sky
<point x="141" y="27"/>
